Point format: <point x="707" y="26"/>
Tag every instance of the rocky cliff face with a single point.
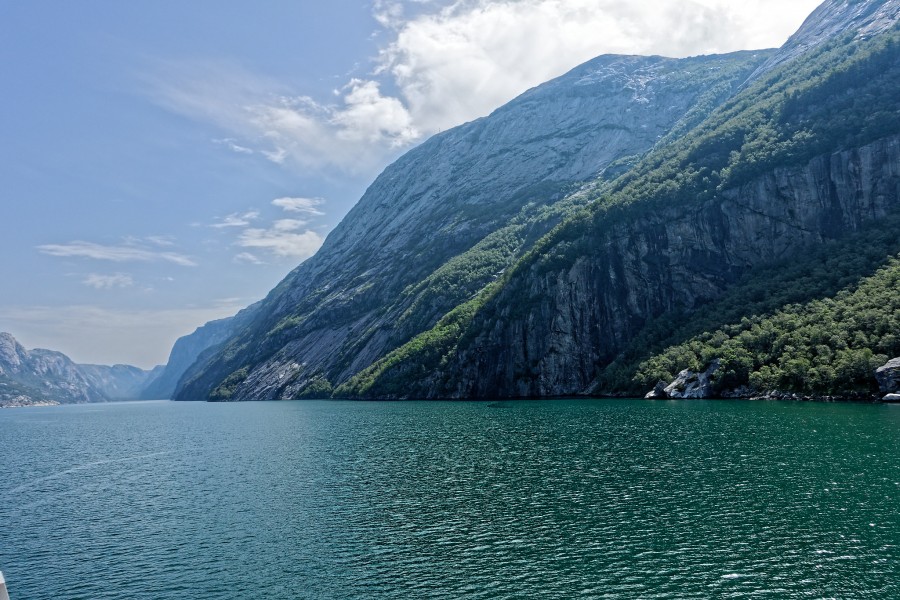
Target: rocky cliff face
<point x="368" y="291"/>
<point x="40" y="376"/>
<point x="578" y="317"/>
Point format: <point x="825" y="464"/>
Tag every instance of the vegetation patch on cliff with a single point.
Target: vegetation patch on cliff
<point x="831" y="345"/>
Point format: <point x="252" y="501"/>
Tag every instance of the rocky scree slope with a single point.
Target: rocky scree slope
<point x="448" y="217"/>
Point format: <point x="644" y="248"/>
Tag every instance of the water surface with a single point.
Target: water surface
<point x="561" y="499"/>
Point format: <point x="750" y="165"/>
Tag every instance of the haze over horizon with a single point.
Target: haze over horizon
<point x="169" y="164"/>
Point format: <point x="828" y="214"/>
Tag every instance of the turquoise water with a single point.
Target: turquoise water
<point x="562" y="499"/>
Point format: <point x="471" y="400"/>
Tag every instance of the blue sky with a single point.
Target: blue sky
<point x="165" y="163"/>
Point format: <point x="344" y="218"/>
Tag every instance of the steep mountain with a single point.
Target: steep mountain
<point x="806" y="153"/>
<point x="447" y="217"/>
<point x="522" y="254"/>
<point x="44" y="376"/>
<point x="188" y="349"/>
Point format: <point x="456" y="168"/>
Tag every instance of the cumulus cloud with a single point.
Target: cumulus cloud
<point x="352" y="134"/>
<point x="108" y="282"/>
<point x="126" y="253"/>
<point x="466" y="59"/>
<point x="300" y="205"/>
<point x="451" y="61"/>
<point x="283" y="239"/>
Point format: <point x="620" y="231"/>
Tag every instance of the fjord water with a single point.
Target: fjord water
<point x="594" y="499"/>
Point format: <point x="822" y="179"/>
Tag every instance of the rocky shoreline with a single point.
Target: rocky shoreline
<point x="23" y="401"/>
<point x="690" y="385"/>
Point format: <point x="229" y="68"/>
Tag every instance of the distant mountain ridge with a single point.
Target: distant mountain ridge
<point x="38" y="376"/>
<point x="188" y="349"/>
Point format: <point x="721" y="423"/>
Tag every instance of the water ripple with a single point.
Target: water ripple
<point x="611" y="499"/>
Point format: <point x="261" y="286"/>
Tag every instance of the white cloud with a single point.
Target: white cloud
<point x="236" y="220"/>
<point x="470" y="57"/>
<point x="300" y="205"/>
<point x="282" y="240"/>
<point x="108" y="282"/>
<point x="352" y="135"/>
<point x="288" y="224"/>
<point x="286" y="238"/>
<point x="80" y="249"/>
<point x="452" y="61"/>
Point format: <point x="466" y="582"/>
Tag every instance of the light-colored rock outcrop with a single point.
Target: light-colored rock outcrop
<point x="688" y="385"/>
<point x="888" y="376"/>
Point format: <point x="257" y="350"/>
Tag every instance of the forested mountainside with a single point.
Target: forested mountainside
<point x="524" y="254"/>
<point x="449" y="216"/>
<point x="46" y="377"/>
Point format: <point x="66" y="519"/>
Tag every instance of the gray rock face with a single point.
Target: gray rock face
<point x="12" y="354"/>
<point x="658" y="392"/>
<point x="888" y="376"/>
<point x="48" y="377"/>
<point x="892" y="398"/>
<point x="552" y="328"/>
<point x="357" y="298"/>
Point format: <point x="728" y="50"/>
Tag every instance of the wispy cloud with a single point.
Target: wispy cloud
<point x="247" y="258"/>
<point x="124" y="253"/>
<point x="236" y="220"/>
<point x="232" y="145"/>
<point x="164" y="241"/>
<point x="108" y="282"/>
<point x="451" y="61"/>
<point x="300" y="205"/>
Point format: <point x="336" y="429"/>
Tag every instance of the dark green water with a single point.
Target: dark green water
<point x="564" y="499"/>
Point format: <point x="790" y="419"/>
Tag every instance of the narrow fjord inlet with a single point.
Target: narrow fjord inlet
<point x="489" y="299"/>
